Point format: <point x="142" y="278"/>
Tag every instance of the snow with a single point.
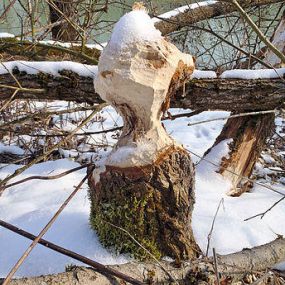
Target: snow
<point x="254" y="74"/>
<point x="6" y="35"/>
<point x="37" y="200"/>
<point x="69" y="45"/>
<point x="11" y="149"/>
<point x="50" y="67"/>
<point x="135" y="26"/>
<point x="32" y="204"/>
<point x="182" y="9"/>
<point x="199" y="74"/>
<point x="231" y="233"/>
<point x="267" y="158"/>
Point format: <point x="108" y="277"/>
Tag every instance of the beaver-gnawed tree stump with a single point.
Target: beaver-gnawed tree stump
<point x="146" y="187"/>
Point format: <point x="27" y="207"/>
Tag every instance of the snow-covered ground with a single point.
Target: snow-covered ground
<point x="31" y="205"/>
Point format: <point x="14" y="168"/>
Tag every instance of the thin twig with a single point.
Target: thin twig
<point x="216" y="266"/>
<point x="5" y="105"/>
<point x="212" y="226"/>
<point x="262" y="37"/>
<point x="51" y="177"/>
<point x="261" y="215"/>
<point x="171" y="117"/>
<point x="234" y="116"/>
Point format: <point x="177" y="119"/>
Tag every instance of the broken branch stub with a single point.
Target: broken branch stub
<point x="148" y="183"/>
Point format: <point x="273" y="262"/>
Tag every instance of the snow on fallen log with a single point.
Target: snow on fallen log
<point x="6" y="35"/>
<point x="55" y="67"/>
<point x="253" y="74"/>
<point x="194" y="13"/>
<point x="48" y="67"/>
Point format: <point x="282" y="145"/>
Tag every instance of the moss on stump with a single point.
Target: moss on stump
<point x="152" y="203"/>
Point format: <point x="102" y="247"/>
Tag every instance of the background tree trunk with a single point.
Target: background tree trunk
<point x="64" y="30"/>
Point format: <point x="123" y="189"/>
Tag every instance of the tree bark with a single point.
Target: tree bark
<point x="249" y="134"/>
<point x="60" y="10"/>
<point x="153" y="203"/>
<point x="200" y="94"/>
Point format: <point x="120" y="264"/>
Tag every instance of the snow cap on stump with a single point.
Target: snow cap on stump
<point x="138" y="71"/>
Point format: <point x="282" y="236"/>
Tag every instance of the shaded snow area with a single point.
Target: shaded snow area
<point x="32" y="204"/>
<point x="72" y="44"/>
<point x="50" y="67"/>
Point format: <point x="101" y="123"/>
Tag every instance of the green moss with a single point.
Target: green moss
<point x="128" y="213"/>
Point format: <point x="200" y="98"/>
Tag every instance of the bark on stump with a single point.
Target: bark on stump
<point x="153" y="203"/>
<point x="146" y="190"/>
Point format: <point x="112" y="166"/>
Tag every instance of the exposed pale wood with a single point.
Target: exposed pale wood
<point x="201" y="94"/>
<point x="249" y="135"/>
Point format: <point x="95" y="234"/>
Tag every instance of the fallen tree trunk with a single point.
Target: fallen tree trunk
<point x="232" y="266"/>
<point x="203" y="12"/>
<point x="200" y="94"/>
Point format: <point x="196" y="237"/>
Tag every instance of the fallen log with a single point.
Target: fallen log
<point x="231" y="266"/>
<point x="200" y="94"/>
<point x="202" y="12"/>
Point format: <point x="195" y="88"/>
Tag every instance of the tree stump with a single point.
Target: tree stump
<point x="153" y="203"/>
<point x="146" y="190"/>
